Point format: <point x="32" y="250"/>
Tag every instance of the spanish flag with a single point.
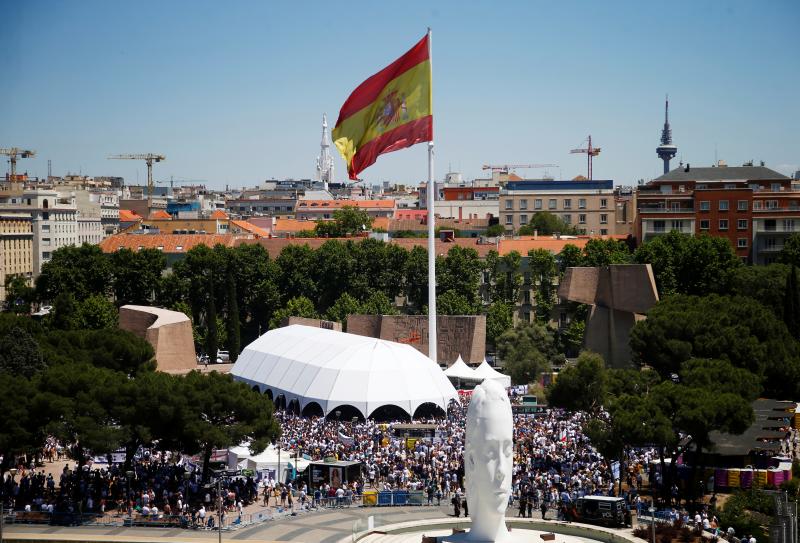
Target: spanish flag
<point x="391" y="110"/>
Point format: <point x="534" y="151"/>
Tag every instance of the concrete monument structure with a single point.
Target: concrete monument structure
<point x="463" y="335"/>
<point x="620" y="296"/>
<point x="169" y="332"/>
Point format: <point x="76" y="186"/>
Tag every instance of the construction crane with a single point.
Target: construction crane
<point x="590" y="152"/>
<point x="149" y="158"/>
<point x="505" y="168"/>
<point x="12" y="155"/>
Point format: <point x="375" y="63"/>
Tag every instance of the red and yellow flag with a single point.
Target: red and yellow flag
<point x="391" y="110"/>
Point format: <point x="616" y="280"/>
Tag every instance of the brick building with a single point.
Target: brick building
<point x="754" y="207"/>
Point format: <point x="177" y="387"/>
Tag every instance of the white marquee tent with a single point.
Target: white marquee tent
<point x="485" y="371"/>
<point x="460" y="370"/>
<point x="333" y="369"/>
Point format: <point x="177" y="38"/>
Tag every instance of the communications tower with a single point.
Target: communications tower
<point x="666" y="150"/>
<point x="325" y="159"/>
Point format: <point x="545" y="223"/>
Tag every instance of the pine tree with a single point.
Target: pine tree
<point x="211" y="323"/>
<point x="791" y="303"/>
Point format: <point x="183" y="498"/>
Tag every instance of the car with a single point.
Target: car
<point x="224" y="356"/>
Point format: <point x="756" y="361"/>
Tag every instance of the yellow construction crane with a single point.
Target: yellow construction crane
<point x="590" y="152"/>
<point x="12" y="155"/>
<point x="149" y="158"/>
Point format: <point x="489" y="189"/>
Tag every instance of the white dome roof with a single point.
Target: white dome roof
<point x="333" y="368"/>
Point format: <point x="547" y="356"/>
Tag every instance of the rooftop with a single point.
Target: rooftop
<point x="723" y="173"/>
<point x="760" y="436"/>
<point x="338" y="204"/>
<point x="572" y="184"/>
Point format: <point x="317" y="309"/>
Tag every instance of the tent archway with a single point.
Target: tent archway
<point x="268" y="392"/>
<point x="313" y="409"/>
<point x="428" y="410"/>
<point x="344" y="413"/>
<point x="280" y="402"/>
<point x="294" y="406"/>
<point x="256" y="388"/>
<point x="388" y="413"/>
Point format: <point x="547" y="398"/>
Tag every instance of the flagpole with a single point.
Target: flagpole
<point x="432" y="338"/>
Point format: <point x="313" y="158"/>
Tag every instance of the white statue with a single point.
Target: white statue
<point x="488" y="462"/>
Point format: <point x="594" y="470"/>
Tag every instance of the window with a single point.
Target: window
<point x="723" y="205"/>
<point x="704" y="224"/>
<point x="603" y="218"/>
<point x="537" y="203"/>
<point x="46" y="228"/>
<point x="509" y="219"/>
<point x="775" y="187"/>
<point x="788" y="225"/>
<point x="741" y="224"/>
<point x="705" y="206"/>
<point x="676" y="225"/>
<point x="551" y="204"/>
<point x="567" y="218"/>
<point x="757" y="204"/>
<point x="582" y="219"/>
<point x="675" y="206"/>
<point x="46" y="255"/>
<point x="523" y="219"/>
<point x="567" y="203"/>
<point x="772" y="204"/>
<point x="730" y="185"/>
<point x="603" y="203"/>
<point x="523" y="204"/>
<point x="701" y="186"/>
<point x="659" y="226"/>
<point x="582" y="203"/>
<point x="723" y="224"/>
<point x="604" y="231"/>
<point x="509" y="204"/>
<point x="770" y="225"/>
<point x="741" y="243"/>
<point x="46" y="242"/>
<point x="741" y="205"/>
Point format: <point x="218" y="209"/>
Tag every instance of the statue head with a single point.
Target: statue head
<point x="488" y="460"/>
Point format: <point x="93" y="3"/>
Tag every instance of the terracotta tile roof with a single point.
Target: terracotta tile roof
<point x="219" y="214"/>
<point x="159" y="214"/>
<point x="338" y="204"/>
<point x="126" y="215"/>
<point x="169" y="243"/>
<point x="252" y="228"/>
<point x="526" y="243"/>
<point x="292" y="226"/>
<point x="380" y="222"/>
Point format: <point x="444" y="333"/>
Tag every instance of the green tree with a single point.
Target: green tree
<point x="97" y="312"/>
<point x="20" y="353"/>
<point x="79" y="271"/>
<point x="573" y="335"/>
<point x="505" y="276"/>
<point x="495" y="230"/>
<point x="64" y="315"/>
<point x="543" y="271"/>
<point x="697" y="265"/>
<point x="790" y="254"/>
<point x="499" y="319"/>
<point x="460" y="271"/>
<point x="581" y="387"/>
<point x="765" y="284"/>
<point x="604" y="252"/>
<point x="545" y="223"/>
<point x="791" y="304"/>
<point x="136" y="275"/>
<point x="737" y="329"/>
<point x="333" y="272"/>
<point x="232" y="313"/>
<point x="296" y="271"/>
<point x="19" y="294"/>
<point x="526" y="351"/>
<point x="112" y="348"/>
<point x="348" y="220"/>
<point x="21" y="431"/>
<point x="296" y="307"/>
<point x="222" y="413"/>
<point x="345" y="306"/>
<point x="569" y="257"/>
<point x="378" y="304"/>
<point x="416" y="277"/>
<point x="211" y="324"/>
<point x="453" y="303"/>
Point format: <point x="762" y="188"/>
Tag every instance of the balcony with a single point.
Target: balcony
<point x="793" y="209"/>
<point x="760" y="228"/>
<point x="665" y="210"/>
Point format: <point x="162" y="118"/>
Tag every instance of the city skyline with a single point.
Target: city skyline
<point x="237" y="96"/>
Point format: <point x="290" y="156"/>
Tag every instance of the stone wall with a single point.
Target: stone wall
<point x="169" y="332"/>
<point x="463" y="335"/>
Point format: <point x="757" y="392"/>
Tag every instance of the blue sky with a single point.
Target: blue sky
<point x="233" y="92"/>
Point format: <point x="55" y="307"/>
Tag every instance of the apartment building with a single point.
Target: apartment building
<point x="16" y="247"/>
<point x="590" y="206"/>
<point x="313" y="210"/>
<point x="754" y="207"/>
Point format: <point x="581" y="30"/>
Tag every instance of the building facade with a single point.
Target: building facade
<point x="16" y="247"/>
<point x="589" y="206"/>
<point x="754" y="207"/>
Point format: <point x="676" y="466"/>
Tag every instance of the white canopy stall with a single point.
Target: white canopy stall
<point x="314" y="370"/>
<point x="485" y="371"/>
<point x="459" y="372"/>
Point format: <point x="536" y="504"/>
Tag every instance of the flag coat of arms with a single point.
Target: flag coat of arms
<point x="391" y="110"/>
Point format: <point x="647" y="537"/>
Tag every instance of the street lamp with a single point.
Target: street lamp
<point x="652" y="511"/>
